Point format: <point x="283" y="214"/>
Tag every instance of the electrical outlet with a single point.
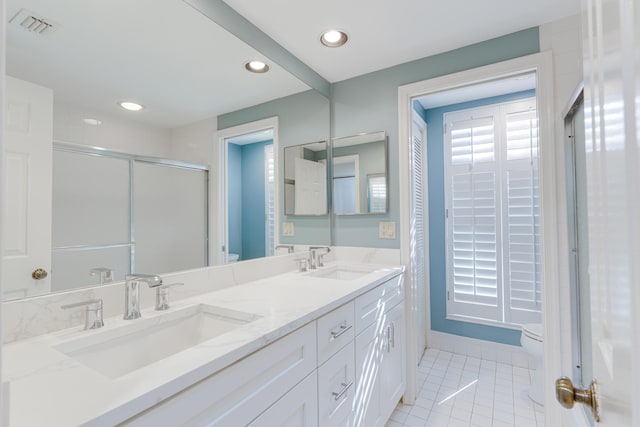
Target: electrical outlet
<point x="288" y="229"/>
<point x="387" y="229"/>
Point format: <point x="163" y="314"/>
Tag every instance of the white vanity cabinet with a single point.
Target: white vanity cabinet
<point x="379" y="352"/>
<point x="345" y="369"/>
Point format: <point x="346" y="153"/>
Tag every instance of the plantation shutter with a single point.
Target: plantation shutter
<point x="522" y="213"/>
<point x="377" y="193"/>
<point x="493" y="213"/>
<point x="474" y="247"/>
<point x="270" y="200"/>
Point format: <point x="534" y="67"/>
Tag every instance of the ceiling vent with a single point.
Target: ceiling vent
<point x="32" y="22"/>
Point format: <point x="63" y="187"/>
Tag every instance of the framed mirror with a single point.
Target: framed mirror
<point x="305" y="179"/>
<point x="360" y="174"/>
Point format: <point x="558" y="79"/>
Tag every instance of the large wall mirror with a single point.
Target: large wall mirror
<point x="95" y="191"/>
<point x="360" y="181"/>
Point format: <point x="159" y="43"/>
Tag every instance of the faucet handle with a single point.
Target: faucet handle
<point x="321" y="259"/>
<point x="302" y="264"/>
<point x="162" y="295"/>
<point x="93" y="312"/>
<point x="106" y="274"/>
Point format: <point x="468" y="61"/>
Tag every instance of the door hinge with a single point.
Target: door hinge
<point x="446" y="213"/>
<point x="448" y="295"/>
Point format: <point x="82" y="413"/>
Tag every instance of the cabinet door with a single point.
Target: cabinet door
<point x="370" y="307"/>
<point x="297" y="408"/>
<point x="335" y="330"/>
<point x="392" y="366"/>
<point x="238" y="394"/>
<point x="336" y="384"/>
<point x="366" y="406"/>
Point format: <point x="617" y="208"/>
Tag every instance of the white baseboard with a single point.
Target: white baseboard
<point x="486" y="350"/>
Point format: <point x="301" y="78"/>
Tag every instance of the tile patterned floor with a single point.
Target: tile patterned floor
<point x="463" y="391"/>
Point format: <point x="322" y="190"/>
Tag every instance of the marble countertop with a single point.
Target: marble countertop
<point x="46" y="387"/>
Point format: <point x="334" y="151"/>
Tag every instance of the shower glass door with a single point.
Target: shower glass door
<point x="578" y="247"/>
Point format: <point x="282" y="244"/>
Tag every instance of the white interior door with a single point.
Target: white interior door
<point x="310" y="189"/>
<point x="420" y="227"/>
<point x="27" y="204"/>
<point x="613" y="199"/>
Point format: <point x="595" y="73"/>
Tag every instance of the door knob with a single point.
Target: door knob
<point x="39" y="274"/>
<point x="567" y="395"/>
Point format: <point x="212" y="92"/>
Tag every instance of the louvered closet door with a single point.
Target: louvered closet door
<point x="419" y="224"/>
<point x="521" y="212"/>
<point x="474" y="249"/>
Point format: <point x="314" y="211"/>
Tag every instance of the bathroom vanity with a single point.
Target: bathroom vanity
<point x="317" y="348"/>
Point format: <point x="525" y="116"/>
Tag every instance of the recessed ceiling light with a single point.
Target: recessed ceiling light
<point x="92" y="121"/>
<point x="256" y="66"/>
<point x="131" y="106"/>
<point x="334" y="38"/>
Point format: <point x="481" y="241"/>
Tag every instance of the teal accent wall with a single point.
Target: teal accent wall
<point x="437" y="227"/>
<point x="234" y="186"/>
<point x="369" y="103"/>
<point x="253" y="200"/>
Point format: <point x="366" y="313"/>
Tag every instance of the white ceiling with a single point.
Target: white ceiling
<point x="161" y="53"/>
<point x="384" y="33"/>
<point x="184" y="68"/>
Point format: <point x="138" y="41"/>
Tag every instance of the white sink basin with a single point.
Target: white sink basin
<point x="342" y="272"/>
<point x="130" y="347"/>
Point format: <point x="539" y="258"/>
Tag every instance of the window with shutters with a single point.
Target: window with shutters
<point x="491" y="197"/>
<point x="270" y="200"/>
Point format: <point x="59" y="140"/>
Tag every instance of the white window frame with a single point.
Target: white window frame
<point x="502" y="314"/>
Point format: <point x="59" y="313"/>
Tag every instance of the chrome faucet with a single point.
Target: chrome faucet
<point x="315" y="258"/>
<point x="289" y="248"/>
<point x="132" y="292"/>
<point x="93" y="312"/>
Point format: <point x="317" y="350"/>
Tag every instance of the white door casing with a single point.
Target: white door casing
<point x="611" y="35"/>
<point x="27" y="187"/>
<point x="541" y="64"/>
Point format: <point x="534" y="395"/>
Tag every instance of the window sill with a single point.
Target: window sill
<point x="485" y="322"/>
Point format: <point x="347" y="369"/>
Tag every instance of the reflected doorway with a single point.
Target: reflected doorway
<point x="250" y="196"/>
<point x="247" y="205"/>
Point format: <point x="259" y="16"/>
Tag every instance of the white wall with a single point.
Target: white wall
<point x="114" y="133"/>
<point x="564" y="39"/>
<point x="194" y="142"/>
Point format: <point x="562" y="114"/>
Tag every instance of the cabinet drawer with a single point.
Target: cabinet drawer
<point x="370" y="306"/>
<point x="238" y="394"/>
<point x="335" y="330"/>
<point x="336" y="388"/>
<point x="297" y="408"/>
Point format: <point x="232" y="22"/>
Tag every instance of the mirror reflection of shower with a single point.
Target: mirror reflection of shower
<point x="250" y="196"/>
